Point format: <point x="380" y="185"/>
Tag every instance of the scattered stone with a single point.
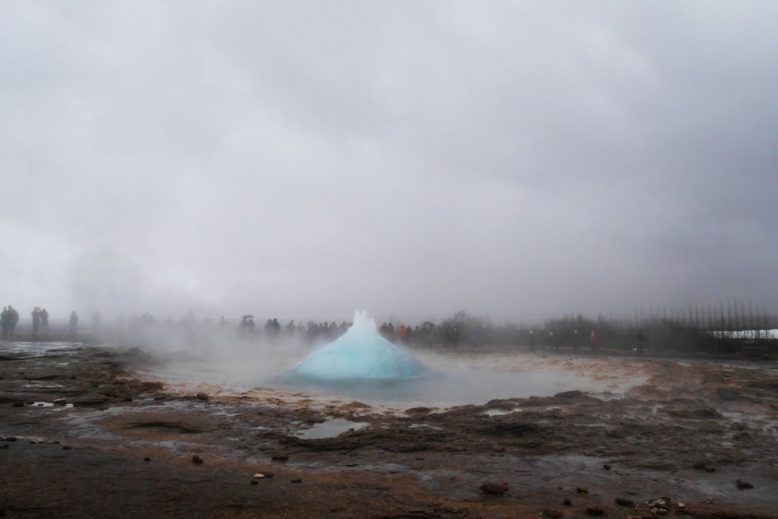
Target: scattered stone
<point x="160" y="396"/>
<point x="17" y="404"/>
<point x="146" y="459"/>
<point x="60" y="401"/>
<point x="279" y="456"/>
<point x="90" y="400"/>
<point x="66" y="447"/>
<point x="254" y="482"/>
<point x="548" y="512"/>
<point x="595" y="511"/>
<point x="567" y="502"/>
<point x="622" y="501"/>
<point x="704" y="465"/>
<point x="297" y="480"/>
<point x="8" y="438"/>
<point x="582" y="490"/>
<point x="497" y="488"/>
<point x="569" y="394"/>
<point x="743" y="485"/>
<point x="258" y="475"/>
<point x="4" y="446"/>
<point x="418" y="411"/>
<point x="197" y="460"/>
<point x="606" y="467"/>
<point x="202" y="396"/>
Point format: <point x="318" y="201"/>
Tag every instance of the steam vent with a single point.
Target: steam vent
<point x="359" y="354"/>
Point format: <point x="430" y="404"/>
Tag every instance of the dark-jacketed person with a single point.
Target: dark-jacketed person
<point x="640" y="341"/>
<point x="9" y="318"/>
<point x="36" y="322"/>
<point x="44" y="322"/>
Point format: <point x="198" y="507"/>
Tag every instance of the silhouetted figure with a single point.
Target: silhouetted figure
<point x="36" y="322"/>
<point x="640" y="341"/>
<point x="594" y="341"/>
<point x="532" y="340"/>
<point x="576" y="340"/>
<point x="9" y="319"/>
<point x="44" y="322"/>
<point x="73" y="325"/>
<point x="246" y="326"/>
<point x="4" y="322"/>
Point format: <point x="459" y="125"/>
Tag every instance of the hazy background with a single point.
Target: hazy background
<point x="306" y="159"/>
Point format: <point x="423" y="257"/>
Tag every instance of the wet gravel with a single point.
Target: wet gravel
<point x="101" y="442"/>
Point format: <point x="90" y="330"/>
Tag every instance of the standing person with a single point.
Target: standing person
<point x="532" y="340"/>
<point x="4" y="322"/>
<point x="44" y="315"/>
<point x="73" y="325"/>
<point x="594" y="341"/>
<point x="576" y="340"/>
<point x="36" y="322"/>
<point x="13" y="318"/>
<point x="640" y="340"/>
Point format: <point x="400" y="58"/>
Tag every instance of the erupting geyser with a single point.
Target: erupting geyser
<point x="359" y="354"/>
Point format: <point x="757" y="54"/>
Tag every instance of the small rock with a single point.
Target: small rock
<point x="548" y="512"/>
<point x="279" y="456"/>
<point x="146" y="459"/>
<point x="704" y="465"/>
<point x="569" y="394"/>
<point x="160" y="396"/>
<point x="202" y="396"/>
<point x="606" y="467"/>
<point x="8" y="438"/>
<point x="258" y="475"/>
<point x="4" y="446"/>
<point x="595" y="511"/>
<point x="743" y="485"/>
<point x="582" y="490"/>
<point x="297" y="480"/>
<point x="567" y="502"/>
<point x="197" y="460"/>
<point x="622" y="501"/>
<point x="497" y="488"/>
<point x="254" y="482"/>
<point x="60" y="401"/>
<point x="17" y="404"/>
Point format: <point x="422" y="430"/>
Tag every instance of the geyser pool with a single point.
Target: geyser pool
<point x="360" y="355"/>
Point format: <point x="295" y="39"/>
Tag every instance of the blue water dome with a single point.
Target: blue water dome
<point x="361" y="354"/>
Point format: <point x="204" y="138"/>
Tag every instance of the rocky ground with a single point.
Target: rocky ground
<point x="81" y="435"/>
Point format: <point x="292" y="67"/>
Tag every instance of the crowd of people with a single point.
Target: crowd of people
<point x="39" y="323"/>
<point x="451" y="333"/>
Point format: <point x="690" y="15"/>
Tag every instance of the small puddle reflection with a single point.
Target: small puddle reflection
<point x="51" y="404"/>
<point x="330" y="429"/>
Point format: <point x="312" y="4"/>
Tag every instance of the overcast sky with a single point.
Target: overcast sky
<point x="306" y="159"/>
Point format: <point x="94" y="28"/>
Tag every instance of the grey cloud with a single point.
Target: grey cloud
<point x="304" y="159"/>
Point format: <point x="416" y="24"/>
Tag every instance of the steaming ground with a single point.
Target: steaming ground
<point x="452" y="379"/>
<point x="114" y="432"/>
